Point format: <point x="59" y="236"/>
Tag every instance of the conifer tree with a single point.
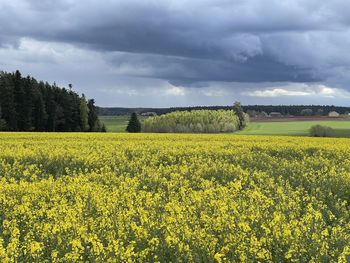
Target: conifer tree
<point x="3" y="124"/>
<point x="93" y="118"/>
<point x="84" y="114"/>
<point x="39" y="113"/>
<point x="7" y="101"/>
<point x="103" y="129"/>
<point x="27" y="105"/>
<point x="134" y="124"/>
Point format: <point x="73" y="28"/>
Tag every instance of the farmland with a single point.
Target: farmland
<point x="290" y="127"/>
<point x="295" y="128"/>
<point x="115" y="123"/>
<point x="165" y="197"/>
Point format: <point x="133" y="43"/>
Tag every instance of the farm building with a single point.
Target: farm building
<point x="276" y="115"/>
<point x="333" y="114"/>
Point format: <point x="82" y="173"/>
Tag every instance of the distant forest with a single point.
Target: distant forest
<point x="296" y="110"/>
<point x="30" y="105"/>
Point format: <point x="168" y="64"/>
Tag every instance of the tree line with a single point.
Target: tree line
<point x="30" y="105"/>
<point x="296" y="110"/>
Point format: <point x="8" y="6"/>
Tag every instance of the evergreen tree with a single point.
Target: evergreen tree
<point x="238" y="110"/>
<point x="39" y="113"/>
<point x="20" y="100"/>
<point x="30" y="105"/>
<point x="51" y="108"/>
<point x="27" y="106"/>
<point x="103" y="128"/>
<point x="3" y="124"/>
<point x="7" y="101"/>
<point x="84" y="114"/>
<point x="134" y="124"/>
<point x="60" y="119"/>
<point x="92" y="117"/>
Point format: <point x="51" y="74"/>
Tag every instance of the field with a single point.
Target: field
<point x="173" y="198"/>
<point x="290" y="128"/>
<point x="115" y="123"/>
<point x="295" y="128"/>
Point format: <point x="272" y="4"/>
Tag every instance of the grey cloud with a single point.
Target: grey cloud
<point x="189" y="43"/>
<point x="186" y="71"/>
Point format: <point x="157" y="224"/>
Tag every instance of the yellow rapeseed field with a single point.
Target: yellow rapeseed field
<point x="173" y="198"/>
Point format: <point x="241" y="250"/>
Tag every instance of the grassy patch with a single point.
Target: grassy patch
<point x="295" y="128"/>
<point x="116" y="123"/>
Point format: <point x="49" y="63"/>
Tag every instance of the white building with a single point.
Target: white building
<point x="149" y="114"/>
<point x="333" y="114"/>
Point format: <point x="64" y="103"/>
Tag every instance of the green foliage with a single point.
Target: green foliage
<point x="238" y="110"/>
<point x="306" y="112"/>
<point x="3" y="125"/>
<point x="40" y="115"/>
<point x="7" y="101"/>
<point x="103" y="128"/>
<point x="84" y="114"/>
<point x="29" y="105"/>
<point x="197" y="121"/>
<point x="321" y="131"/>
<point x="319" y="112"/>
<point x="134" y="124"/>
<point x="93" y="121"/>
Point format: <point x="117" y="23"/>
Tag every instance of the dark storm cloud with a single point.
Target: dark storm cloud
<point x="186" y="71"/>
<point x="186" y="42"/>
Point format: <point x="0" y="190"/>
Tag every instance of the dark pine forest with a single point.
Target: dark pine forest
<point x="30" y="105"/>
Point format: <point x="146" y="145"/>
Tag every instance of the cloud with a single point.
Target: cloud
<point x="176" y="91"/>
<point x="277" y="93"/>
<point x="299" y="90"/>
<point x="187" y="71"/>
<point x="203" y="44"/>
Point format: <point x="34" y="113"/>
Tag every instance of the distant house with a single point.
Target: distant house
<point x="333" y="114"/>
<point x="275" y="115"/>
<point x="149" y="114"/>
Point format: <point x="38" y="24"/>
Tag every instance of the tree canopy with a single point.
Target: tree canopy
<point x="30" y="105"/>
<point x="197" y="121"/>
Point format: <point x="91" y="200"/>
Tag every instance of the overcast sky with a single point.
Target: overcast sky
<point x="160" y="53"/>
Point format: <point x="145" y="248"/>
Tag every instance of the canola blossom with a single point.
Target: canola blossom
<point x="173" y="198"/>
